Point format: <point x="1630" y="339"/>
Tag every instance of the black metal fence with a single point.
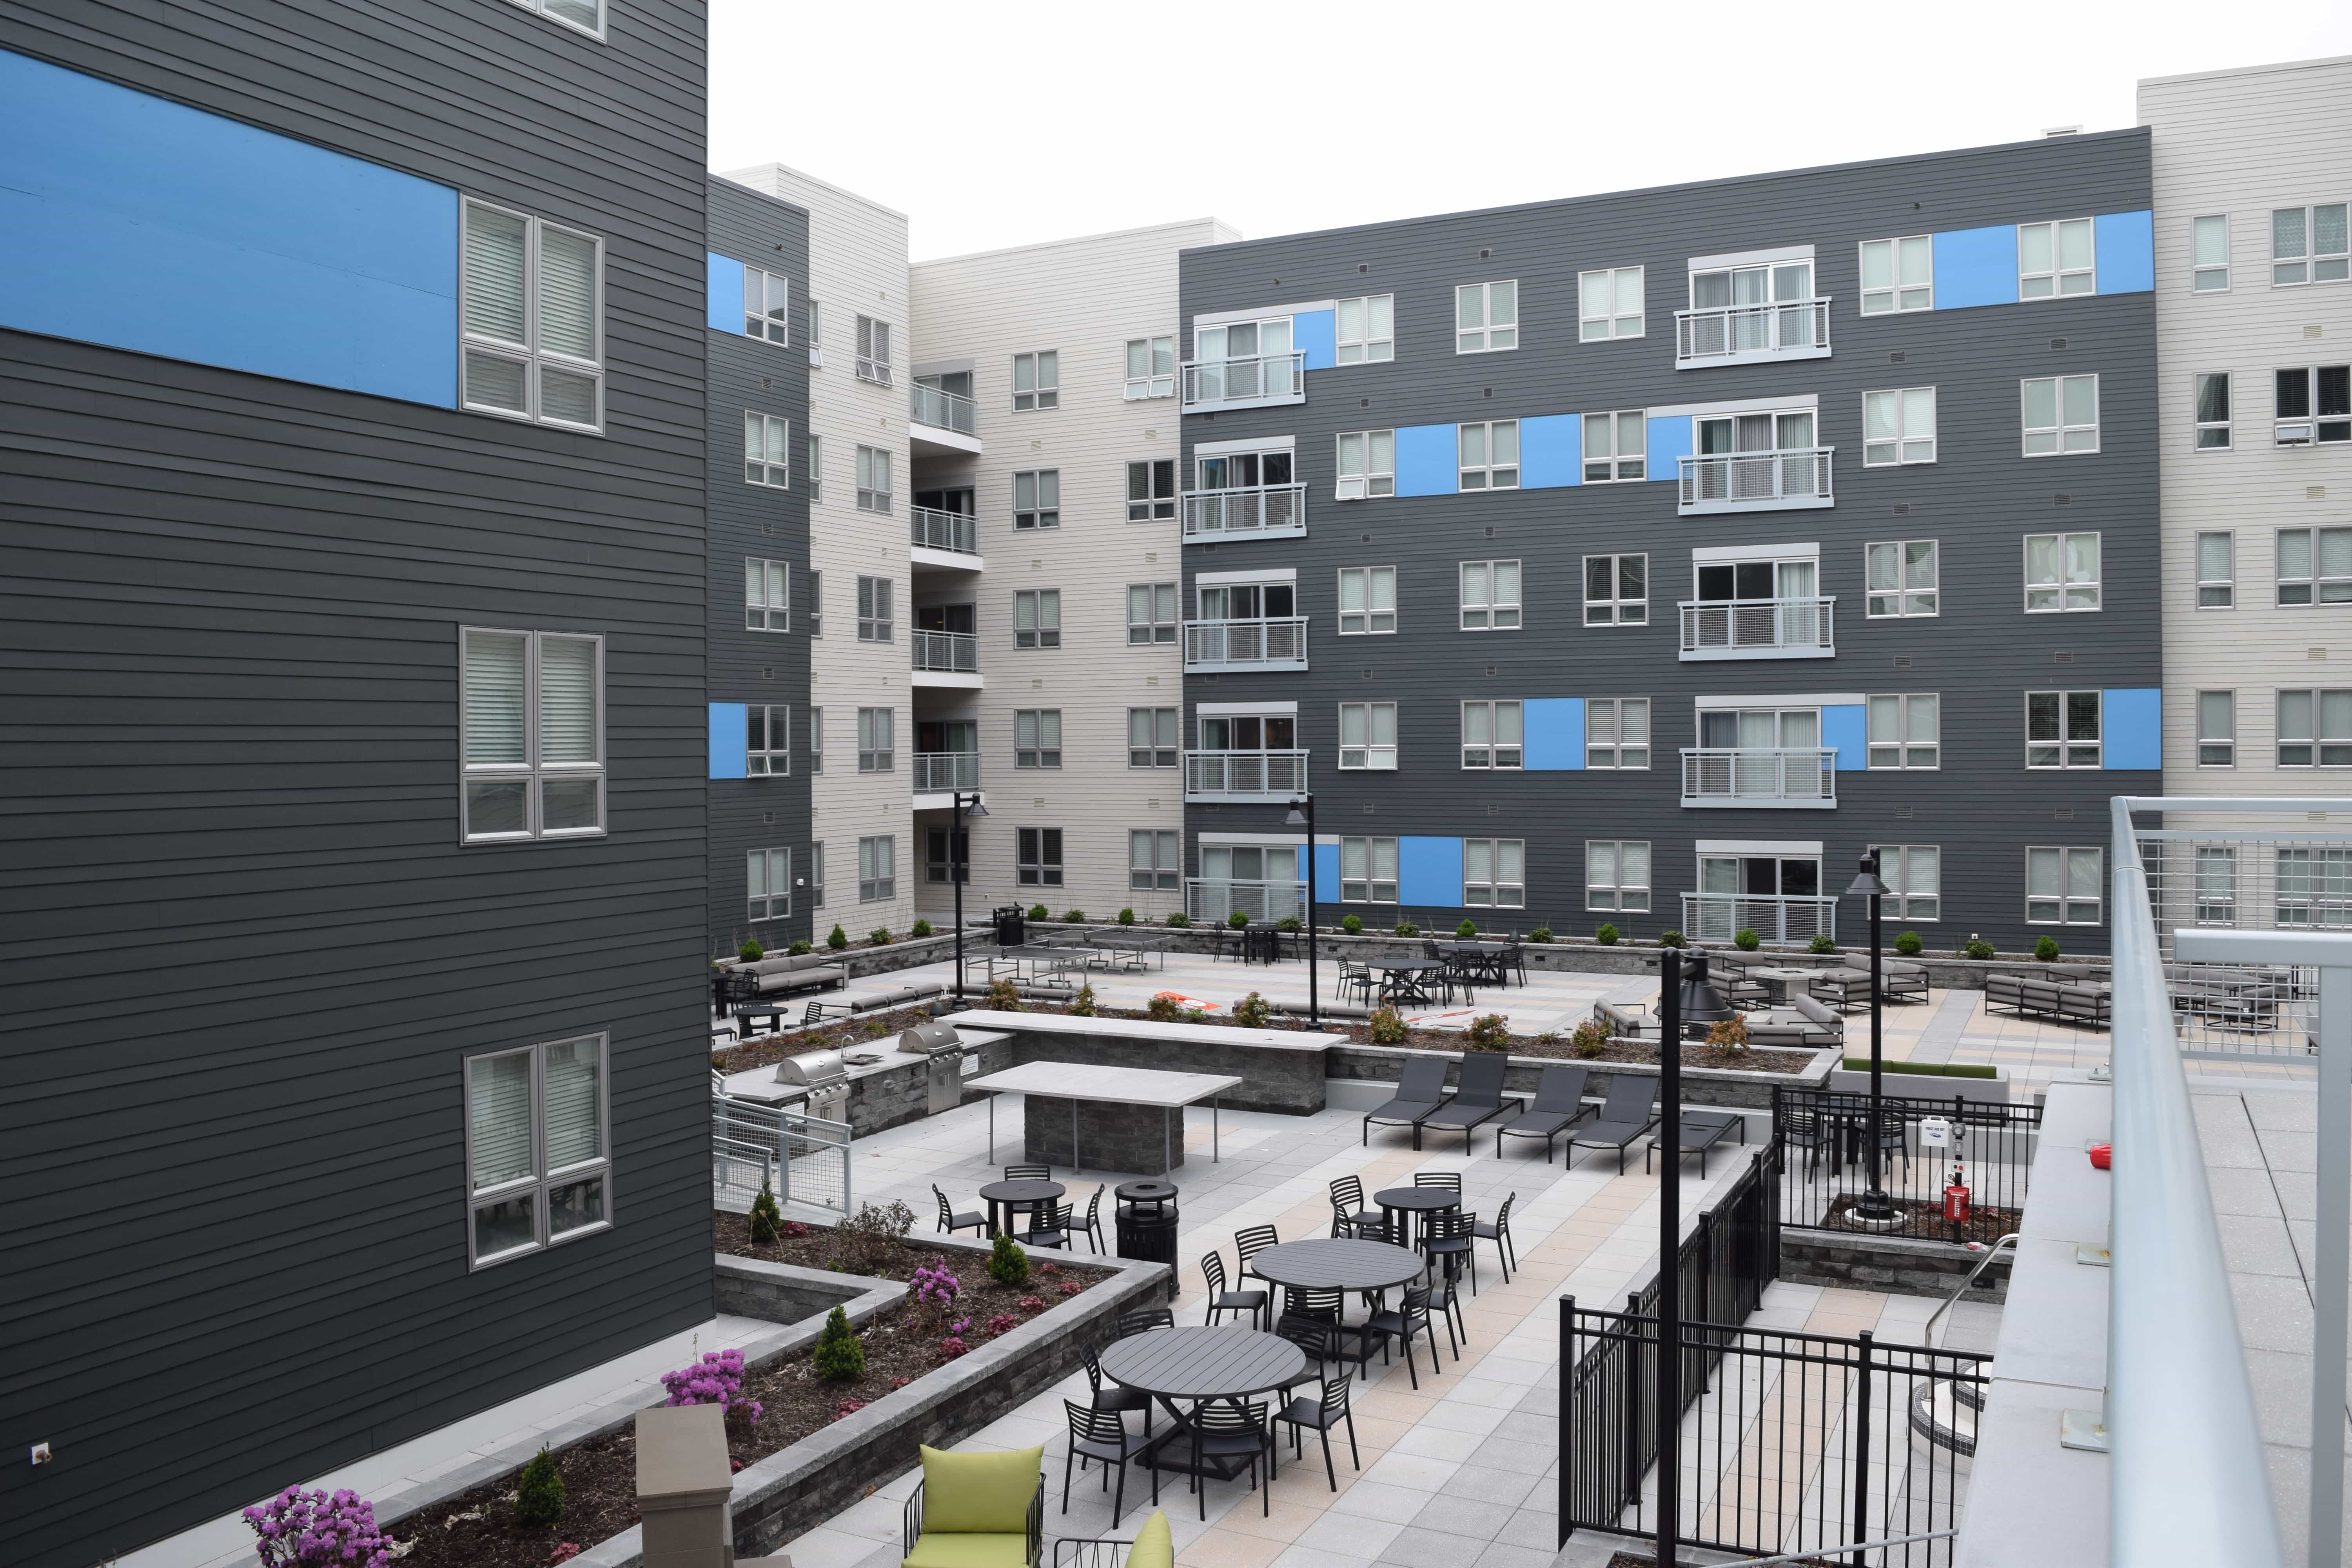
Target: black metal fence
<point x="1822" y="1141"/>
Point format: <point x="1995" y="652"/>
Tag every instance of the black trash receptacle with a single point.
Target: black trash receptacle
<point x="1147" y="1222"/>
<point x="1012" y="925"/>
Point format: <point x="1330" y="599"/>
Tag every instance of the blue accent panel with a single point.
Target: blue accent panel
<point x="1551" y="451"/>
<point x="2126" y="244"/>
<point x="1842" y="727"/>
<point x="2133" y="722"/>
<point x="725" y="294"/>
<point x="1670" y="439"/>
<point x="1327" y="873"/>
<point x="729" y="730"/>
<point x="1429" y="871"/>
<point x="1554" y="732"/>
<point x="1426" y="460"/>
<point x="1976" y="267"/>
<point x="1315" y="334"/>
<point x="140" y="223"/>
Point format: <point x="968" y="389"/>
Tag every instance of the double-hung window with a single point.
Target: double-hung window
<point x="2314" y="729"/>
<point x="1366" y="330"/>
<point x="2210" y="396"/>
<point x="1913" y="875"/>
<point x="1486" y="317"/>
<point x="1901" y="576"/>
<point x="768" y="884"/>
<point x="2209" y="254"/>
<point x="1367" y="871"/>
<point x="1617" y="732"/>
<point x="1899" y="275"/>
<point x="1905" y="730"/>
<point x="1150" y="368"/>
<point x="1037" y="499"/>
<point x="767" y="306"/>
<point x="1150" y="489"/>
<point x="1609" y="303"/>
<point x="2310" y="245"/>
<point x="533" y="735"/>
<point x="1151" y="737"/>
<point x="2314" y="888"/>
<point x="1490" y="455"/>
<point x="2063" y="887"/>
<point x="2216" y="884"/>
<point x="812" y="470"/>
<point x="815" y="613"/>
<point x="2062" y="729"/>
<point x="1616" y="590"/>
<point x="1037" y="737"/>
<point x="2060" y="414"/>
<point x="538" y="1148"/>
<point x="817" y="876"/>
<point x="767" y="740"/>
<point x="1616" y="446"/>
<point x="2217" y="729"/>
<point x="1366" y="601"/>
<point x="875" y="751"/>
<point x="2313" y="403"/>
<point x="588" y="15"/>
<point x="873" y="479"/>
<point x="533" y="319"/>
<point x="2054" y="258"/>
<point x="1898" y="426"/>
<point x="767" y="450"/>
<point x="1037" y="853"/>
<point x="1494" y="873"/>
<point x="1490" y="595"/>
<point x="2315" y="566"/>
<point x="1490" y="735"/>
<point x="1155" y="861"/>
<point x="1368" y="736"/>
<point x="1617" y="875"/>
<point x="1036" y="381"/>
<point x="767" y="595"/>
<point x="877" y="868"/>
<point x="873" y="350"/>
<point x="816" y="746"/>
<point x="1367" y="465"/>
<point x="1037" y="617"/>
<point x="1150" y="613"/>
<point x="2217" y="571"/>
<point x="875" y="621"/>
<point x="2062" y="573"/>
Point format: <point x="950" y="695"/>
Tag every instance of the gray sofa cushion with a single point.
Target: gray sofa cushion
<point x="801" y="979"/>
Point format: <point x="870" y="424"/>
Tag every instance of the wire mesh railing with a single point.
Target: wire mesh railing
<point x="804" y="1159"/>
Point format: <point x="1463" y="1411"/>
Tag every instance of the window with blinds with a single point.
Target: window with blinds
<point x="531" y="318"/>
<point x="768" y="884"/>
<point x="767" y="595"/>
<point x="588" y="15"/>
<point x="538" y="1153"/>
<point x="531" y="729"/>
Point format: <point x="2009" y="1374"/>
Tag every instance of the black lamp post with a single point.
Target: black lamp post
<point x="1876" y="1208"/>
<point x="1684" y="997"/>
<point x="1306" y="804"/>
<point x="958" y="870"/>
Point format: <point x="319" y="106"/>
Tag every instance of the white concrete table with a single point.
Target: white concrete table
<point x="1082" y="1083"/>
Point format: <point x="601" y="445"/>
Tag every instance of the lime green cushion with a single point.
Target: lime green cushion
<point x="1154" y="1547"/>
<point x="971" y="1551"/>
<point x="985" y="1493"/>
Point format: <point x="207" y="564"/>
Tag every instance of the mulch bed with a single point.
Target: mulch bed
<point x="1925" y="1221"/>
<point x="600" y="1474"/>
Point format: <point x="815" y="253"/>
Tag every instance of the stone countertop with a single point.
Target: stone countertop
<point x="1106" y="1085"/>
<point x="1147" y="1029"/>
<point x="760" y="1083"/>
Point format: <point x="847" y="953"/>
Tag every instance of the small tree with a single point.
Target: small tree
<point x="1004" y="997"/>
<point x="1007" y="1264"/>
<point x="1909" y="944"/>
<point x="750" y="952"/>
<point x="1607" y="935"/>
<point x="1746" y="941"/>
<point x="1489" y="1033"/>
<point x="1082" y="1004"/>
<point x="1253" y="1011"/>
<point x="538" y="1493"/>
<point x="1729" y="1037"/>
<point x="1352" y="924"/>
<point x="1386" y="1027"/>
<point x="921" y="929"/>
<point x="2045" y="948"/>
<point x="1466" y="929"/>
<point x="1127" y="917"/>
<point x="838" y="941"/>
<point x="840" y="1355"/>
<point x="767" y="1219"/>
<point x="1821" y="943"/>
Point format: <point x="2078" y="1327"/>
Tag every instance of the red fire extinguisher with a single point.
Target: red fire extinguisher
<point x="1956" y="1197"/>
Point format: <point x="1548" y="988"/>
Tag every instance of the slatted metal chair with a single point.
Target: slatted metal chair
<point x="1330" y="1408"/>
<point x="1101" y="1435"/>
<point x="1498" y="1231"/>
<point x="1221" y="1299"/>
<point x="1251" y="1240"/>
<point x="952" y="1221"/>
<point x="1409" y="1317"/>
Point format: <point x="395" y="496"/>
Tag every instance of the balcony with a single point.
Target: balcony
<point x="1243" y="646"/>
<point x="1798" y="777"/>
<point x="1758" y="629"/>
<point x="940" y="418"/>
<point x="946" y="658"/>
<point x="939" y="774"/>
<point x="1265" y="382"/>
<point x="1782" y="917"/>
<point x="945" y="538"/>
<point x="1244" y="776"/>
<point x="1750" y="334"/>
<point x="1209" y="903"/>
<point x="1262" y="512"/>
<point x="1756" y="481"/>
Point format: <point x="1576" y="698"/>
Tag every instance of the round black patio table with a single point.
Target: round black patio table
<point x="1413" y="970"/>
<point x="1337" y="1264"/>
<point x="1025" y="1195"/>
<point x="1410" y="1200"/>
<point x="1203" y="1363"/>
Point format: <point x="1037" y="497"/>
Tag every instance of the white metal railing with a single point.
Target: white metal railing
<point x="1721" y="627"/>
<point x="956" y="652"/>
<point x="1739" y="775"/>
<point x="935" y="530"/>
<point x="940" y="770"/>
<point x="1728" y="482"/>
<point x="1779" y="917"/>
<point x="939" y="409"/>
<point x="1252" y="776"/>
<point x="1261" y="509"/>
<point x="1217" y="644"/>
<point x="1214" y="381"/>
<point x="2187" y="1479"/>
<point x="1728" y="334"/>
<point x="1212" y="903"/>
<point x="804" y="1159"/>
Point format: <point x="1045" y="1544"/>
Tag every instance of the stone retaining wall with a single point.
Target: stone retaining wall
<point x="1701" y="1086"/>
<point x="1895" y="1264"/>
<point x="787" y="1293"/>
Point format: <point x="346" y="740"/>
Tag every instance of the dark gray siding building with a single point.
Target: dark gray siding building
<point x="352" y="556"/>
<point x="1700" y="539"/>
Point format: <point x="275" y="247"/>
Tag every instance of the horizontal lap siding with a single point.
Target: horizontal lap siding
<point x="250" y="955"/>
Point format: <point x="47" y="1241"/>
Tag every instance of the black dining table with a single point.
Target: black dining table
<point x="1408" y="1200"/>
<point x="1023" y="1195"/>
<point x="1481" y="961"/>
<point x="1406" y="975"/>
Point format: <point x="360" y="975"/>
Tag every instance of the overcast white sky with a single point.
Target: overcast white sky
<point x="992" y="123"/>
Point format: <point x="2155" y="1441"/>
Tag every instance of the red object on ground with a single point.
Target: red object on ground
<point x="2101" y="1154"/>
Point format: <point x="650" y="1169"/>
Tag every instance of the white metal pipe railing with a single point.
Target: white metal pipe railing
<point x="1212" y="901"/>
<point x="1208" y="644"/>
<point x="1259" y="509"/>
<point x="1253" y="773"/>
<point x="949" y="651"/>
<point x="936" y="771"/>
<point x="1775" y="917"/>
<point x="1739" y="332"/>
<point x="939" y="409"/>
<point x="935" y="530"/>
<point x="1729" y="624"/>
<point x="1806" y="773"/>
<point x="1726" y="481"/>
<point x="1245" y="380"/>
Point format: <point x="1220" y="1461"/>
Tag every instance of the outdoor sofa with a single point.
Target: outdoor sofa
<point x="2069" y="993"/>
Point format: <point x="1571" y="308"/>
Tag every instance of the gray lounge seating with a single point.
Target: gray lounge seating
<point x="1804" y="1025"/>
<point x="1559" y="1106"/>
<point x="1701" y="1132"/>
<point x="1848" y="984"/>
<point x="1421" y="1089"/>
<point x="1630" y="1111"/>
<point x="2069" y="993"/>
<point x="1478" y="1098"/>
<point x="775" y="976"/>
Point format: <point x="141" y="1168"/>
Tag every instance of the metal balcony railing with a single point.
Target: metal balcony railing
<point x="1738" y="776"/>
<point x="1738" y="481"/>
<point x="1779" y="917"/>
<point x="1244" y="776"/>
<point x="934" y="530"/>
<point x="938" y="772"/>
<point x="940" y="410"/>
<point x="954" y="652"/>
<point x="1222" y="645"/>
<point x="1261" y="510"/>
<point x="1730" y="335"/>
<point x="1212" y="903"/>
<point x="1208" y="382"/>
<point x="1721" y="628"/>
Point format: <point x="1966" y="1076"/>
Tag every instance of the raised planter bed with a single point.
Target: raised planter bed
<point x="1731" y="1087"/>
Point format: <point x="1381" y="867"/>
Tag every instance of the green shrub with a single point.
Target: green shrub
<point x="1821" y="943"/>
<point x="1127" y="917"/>
<point x="1976" y="948"/>
<point x="1487" y="1032"/>
<point x="1082" y="1004"/>
<point x="538" y="1494"/>
<point x="1004" y="997"/>
<point x="1178" y="921"/>
<point x="1406" y="928"/>
<point x="838" y="941"/>
<point x="1672" y="938"/>
<point x="1590" y="1040"/>
<point x="1038" y="912"/>
<point x="1746" y="941"/>
<point x="750" y="952"/>
<point x="1007" y="1264"/>
<point x="1352" y="924"/>
<point x="1074" y="917"/>
<point x="840" y="1355"/>
<point x="1237" y="920"/>
<point x="1909" y="944"/>
<point x="2045" y="948"/>
<point x="921" y="929"/>
<point x="1194" y="1016"/>
<point x="1729" y="1037"/>
<point x="879" y="936"/>
<point x="1289" y="924"/>
<point x="1607" y="935"/>
<point x="1466" y="929"/>
<point x="767" y="1219"/>
<point x="1541" y="933"/>
<point x="1386" y="1027"/>
<point x="1253" y="1011"/>
<point x="1162" y="1008"/>
<point x="799" y="948"/>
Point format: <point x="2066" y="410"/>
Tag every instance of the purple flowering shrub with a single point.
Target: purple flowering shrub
<point x="716" y="1378"/>
<point x="935" y="1284"/>
<point x="299" y="1529"/>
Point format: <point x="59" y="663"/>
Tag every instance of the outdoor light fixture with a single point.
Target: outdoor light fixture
<point x="1875" y="1209"/>
<point x="959" y="868"/>
<point x="1698" y="1002"/>
<point x="1302" y="814"/>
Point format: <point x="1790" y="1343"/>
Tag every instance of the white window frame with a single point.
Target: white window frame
<point x="1490" y="886"/>
<point x="1037" y="617"/>
<point x="764" y="433"/>
<point x="1897" y="295"/>
<point x="2064" y="440"/>
<point x="554" y="11"/>
<point x="1042" y="370"/>
<point x="2062" y="592"/>
<point x="1374" y="339"/>
<point x="765" y="871"/>
<point x="2060" y="279"/>
<point x="1620" y="611"/>
<point x="2216" y="713"/>
<point x="2206" y="276"/>
<point x="763" y="323"/>
<point x="1373" y="612"/>
<point x="2216" y="592"/>
<point x="773" y="722"/>
<point x="2312" y="586"/>
<point x="1481" y="604"/>
<point x="1372" y="473"/>
<point x="1494" y="753"/>
<point x="813" y="476"/>
<point x="877" y="740"/>
<point x="2309" y="261"/>
<point x="2306" y="734"/>
<point x="1037" y="858"/>
<point x="1153" y="381"/>
<point x="816" y="742"/>
<point x="2207" y="434"/>
<point x="2065" y="906"/>
<point x="873" y="347"/>
<point x="1483" y="324"/>
<point x="876" y="618"/>
<point x="532" y="772"/>
<point x="1037" y="499"/>
<point x="877" y="868"/>
<point x="529" y="352"/>
<point x="1489" y="472"/>
<point x="543" y="1180"/>
<point x="1361" y="860"/>
<point x="1617" y="321"/>
<point x="1900" y="751"/>
<point x="876" y="484"/>
<point x="1908" y="408"/>
<point x="1367" y="752"/>
<point x="817" y="876"/>
<point x="1037" y="737"/>
<point x="1898" y="864"/>
<point x="1610" y="733"/>
<point x="814" y="613"/>
<point x="1907" y="602"/>
<point x="767" y="594"/>
<point x="1616" y="894"/>
<point x="1160" y="740"/>
<point x="2060" y="751"/>
<point x="1160" y="613"/>
<point x="2317" y="429"/>
<point x="1606" y="459"/>
<point x="1155" y="861"/>
<point x="1157" y="503"/>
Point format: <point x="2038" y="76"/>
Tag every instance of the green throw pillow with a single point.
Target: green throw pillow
<point x="984" y="1493"/>
<point x="1154" y="1547"/>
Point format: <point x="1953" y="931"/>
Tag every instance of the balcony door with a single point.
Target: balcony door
<point x="1758" y="738"/>
<point x="944" y="618"/>
<point x="1232" y="360"/>
<point x="947" y="735"/>
<point x="1753" y="581"/>
<point x="1249" y="733"/>
<point x="1755" y="457"/>
<point x="1743" y="294"/>
<point x="1260" y="880"/>
<point x="1243" y="470"/>
<point x="957" y="502"/>
<point x="1749" y="892"/>
<point x="1247" y="601"/>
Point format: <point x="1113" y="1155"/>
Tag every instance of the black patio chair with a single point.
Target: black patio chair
<point x="1349" y="1215"/>
<point x="1117" y="1397"/>
<point x="1498" y="1231"/>
<point x="1701" y="1132"/>
<point x="1630" y="1111"/>
<point x="1344" y="1344"/>
<point x="950" y="1221"/>
<point x="1221" y="1299"/>
<point x="1143" y="1321"/>
<point x="1049" y="1227"/>
<point x="1251" y="1240"/>
<point x="1449" y="1181"/>
<point x="1478" y="1098"/>
<point x="1319" y="1415"/>
<point x="1421" y="1089"/>
<point x="1410" y="1317"/>
<point x="1101" y="1435"/>
<point x="1450" y="1235"/>
<point x="1559" y="1105"/>
<point x="1091" y="1227"/>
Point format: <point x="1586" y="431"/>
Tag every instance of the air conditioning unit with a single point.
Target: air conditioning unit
<point x="2297" y="435"/>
